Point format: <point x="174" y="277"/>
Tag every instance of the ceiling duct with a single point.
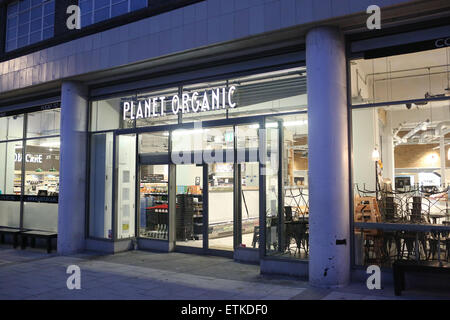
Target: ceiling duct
<point x="411" y="133"/>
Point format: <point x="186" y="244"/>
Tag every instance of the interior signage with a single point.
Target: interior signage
<point x="214" y="99"/>
<point x="29" y="158"/>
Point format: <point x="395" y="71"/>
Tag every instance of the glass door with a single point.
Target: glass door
<point x="272" y="173"/>
<point x="154" y="174"/>
<point x="219" y="155"/>
<point x="154" y="202"/>
<point x="189" y="205"/>
<point x="221" y="206"/>
<point x="247" y="139"/>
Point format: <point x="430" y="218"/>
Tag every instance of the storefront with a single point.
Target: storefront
<point x="227" y="152"/>
<point x="201" y="166"/>
<point x="29" y="167"/>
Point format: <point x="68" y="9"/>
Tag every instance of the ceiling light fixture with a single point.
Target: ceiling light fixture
<point x="375" y="154"/>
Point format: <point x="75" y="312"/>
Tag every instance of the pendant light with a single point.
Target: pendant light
<point x="375" y="154"/>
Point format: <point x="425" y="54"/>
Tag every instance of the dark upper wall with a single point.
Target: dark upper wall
<point x="62" y="34"/>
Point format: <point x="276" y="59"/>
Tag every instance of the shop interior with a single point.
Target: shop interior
<point x="401" y="149"/>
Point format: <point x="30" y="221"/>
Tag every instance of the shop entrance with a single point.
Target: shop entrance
<point x="203" y="195"/>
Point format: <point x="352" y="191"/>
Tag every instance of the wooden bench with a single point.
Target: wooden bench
<point x="38" y="234"/>
<point x="401" y="266"/>
<point x="12" y="231"/>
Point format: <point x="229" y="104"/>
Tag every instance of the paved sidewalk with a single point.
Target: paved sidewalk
<point x="138" y="275"/>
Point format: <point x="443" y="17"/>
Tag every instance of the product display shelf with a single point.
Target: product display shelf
<point x="156" y="211"/>
<point x="45" y="180"/>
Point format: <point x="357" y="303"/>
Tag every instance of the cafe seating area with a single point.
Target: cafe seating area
<point x="411" y="225"/>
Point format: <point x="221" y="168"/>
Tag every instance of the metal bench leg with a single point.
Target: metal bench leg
<point x="49" y="245"/>
<point x="33" y="242"/>
<point x="24" y="242"/>
<point x="15" y="240"/>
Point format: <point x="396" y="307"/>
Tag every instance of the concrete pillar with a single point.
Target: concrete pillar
<point x="389" y="162"/>
<point x="329" y="260"/>
<point x="72" y="188"/>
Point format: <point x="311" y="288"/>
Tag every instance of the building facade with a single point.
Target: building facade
<point x="285" y="133"/>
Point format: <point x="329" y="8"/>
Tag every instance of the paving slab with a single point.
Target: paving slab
<point x="141" y="275"/>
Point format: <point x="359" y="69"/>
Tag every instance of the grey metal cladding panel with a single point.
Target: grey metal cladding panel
<point x="399" y="39"/>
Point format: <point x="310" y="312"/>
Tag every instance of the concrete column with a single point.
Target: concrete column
<point x="72" y="188"/>
<point x="329" y="260"/>
<point x="389" y="162"/>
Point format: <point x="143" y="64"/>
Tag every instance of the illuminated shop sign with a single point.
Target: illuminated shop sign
<point x="193" y="102"/>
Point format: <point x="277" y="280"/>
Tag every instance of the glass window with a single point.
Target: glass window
<point x="419" y="75"/>
<point x="29" y="22"/>
<point x="11" y="127"/>
<point x="43" y="123"/>
<point x="269" y="93"/>
<point x="108" y="114"/>
<point x="10" y="167"/>
<point x="40" y="216"/>
<point x="10" y="214"/>
<point x="217" y="143"/>
<point x="119" y="8"/>
<point x="41" y="161"/>
<point x="401" y="154"/>
<point x="94" y="11"/>
<point x="266" y="93"/>
<point x="42" y="167"/>
<point x="287" y="235"/>
<point x="100" y="190"/>
<point x="151" y="143"/>
<point x="126" y="186"/>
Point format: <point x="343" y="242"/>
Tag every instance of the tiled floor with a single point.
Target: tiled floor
<point x="143" y="275"/>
